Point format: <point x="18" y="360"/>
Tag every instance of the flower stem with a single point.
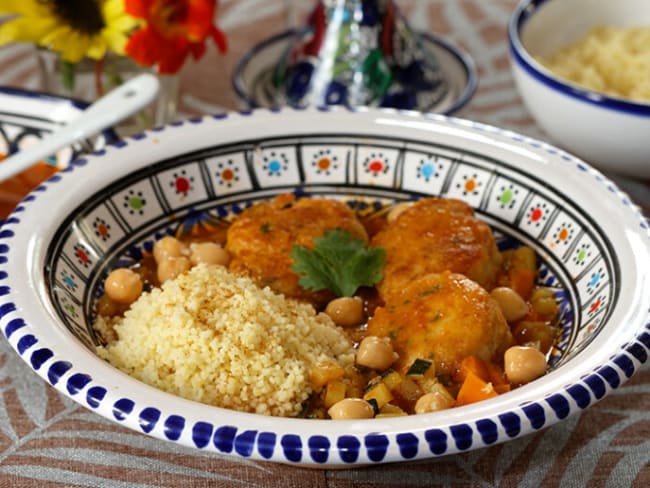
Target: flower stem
<point x="99" y="82"/>
<point x="67" y="75"/>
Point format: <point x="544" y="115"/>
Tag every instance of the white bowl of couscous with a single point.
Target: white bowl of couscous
<point x="582" y="68"/>
<point x="156" y="283"/>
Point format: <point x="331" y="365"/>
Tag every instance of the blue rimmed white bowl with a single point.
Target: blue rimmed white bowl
<point x="27" y="116"/>
<point x="593" y="242"/>
<point x="610" y="133"/>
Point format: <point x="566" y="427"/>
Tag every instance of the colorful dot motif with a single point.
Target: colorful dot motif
<point x="537" y="215"/>
<point x="275" y="164"/>
<point x="563" y="234"/>
<point x="376" y="164"/>
<point x="582" y="254"/>
<point x="102" y="229"/>
<point x="135" y="202"/>
<point x="82" y="254"/>
<point x="595" y="278"/>
<point x="182" y="184"/>
<point x="595" y="306"/>
<point x="429" y="169"/>
<point x="324" y="162"/>
<point x="470" y="185"/>
<point x="507" y="196"/>
<point x="69" y="308"/>
<point x="227" y="173"/>
<point x="69" y="281"/>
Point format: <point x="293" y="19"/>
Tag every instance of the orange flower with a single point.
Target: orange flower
<point x="172" y="30"/>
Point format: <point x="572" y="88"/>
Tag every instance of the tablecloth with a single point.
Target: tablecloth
<point x="48" y="440"/>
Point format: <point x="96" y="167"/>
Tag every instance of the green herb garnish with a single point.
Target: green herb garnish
<point x="338" y="262"/>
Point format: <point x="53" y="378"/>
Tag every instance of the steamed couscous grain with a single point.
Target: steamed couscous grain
<point x="608" y="59"/>
<point x="216" y="338"/>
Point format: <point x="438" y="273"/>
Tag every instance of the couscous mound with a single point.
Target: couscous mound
<point x="216" y="338"/>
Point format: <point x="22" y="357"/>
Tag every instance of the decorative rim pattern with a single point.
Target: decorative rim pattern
<point x="462" y="59"/>
<point x="19" y="92"/>
<point x="219" y="182"/>
<point x="302" y="441"/>
<point x="18" y="121"/>
<point x="522" y="14"/>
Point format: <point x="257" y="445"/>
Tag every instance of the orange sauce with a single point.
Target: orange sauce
<point x="13" y="190"/>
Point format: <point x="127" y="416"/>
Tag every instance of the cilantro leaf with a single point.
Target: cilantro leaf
<point x="338" y="262"/>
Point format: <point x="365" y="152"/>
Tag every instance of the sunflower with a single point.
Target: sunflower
<point x="73" y="28"/>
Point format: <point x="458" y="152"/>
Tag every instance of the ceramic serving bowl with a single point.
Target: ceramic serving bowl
<point x="611" y="133"/>
<point x="253" y="76"/>
<point x="25" y="118"/>
<point x="594" y="248"/>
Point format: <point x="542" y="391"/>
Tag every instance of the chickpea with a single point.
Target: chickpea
<point x="375" y="353"/>
<point x="209" y="253"/>
<point x="543" y="301"/>
<point x="171" y="267"/>
<point x="351" y="408"/>
<point x="346" y="311"/>
<point x="432" y="402"/>
<point x="514" y="307"/>
<point x="123" y="285"/>
<point x="168" y="246"/>
<point x="394" y="212"/>
<point x="523" y="364"/>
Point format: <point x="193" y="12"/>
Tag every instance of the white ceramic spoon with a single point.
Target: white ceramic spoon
<point x="113" y="107"/>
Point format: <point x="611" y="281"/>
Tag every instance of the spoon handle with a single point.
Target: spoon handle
<point x="115" y="106"/>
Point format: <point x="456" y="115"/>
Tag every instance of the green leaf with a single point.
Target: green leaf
<point x="338" y="262"/>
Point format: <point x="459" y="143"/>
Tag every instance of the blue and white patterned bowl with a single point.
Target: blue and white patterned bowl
<point x="252" y="77"/>
<point x="27" y="116"/>
<point x="594" y="244"/>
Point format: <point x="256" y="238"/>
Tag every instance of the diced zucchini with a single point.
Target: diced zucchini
<point x="372" y="382"/>
<point x="380" y="393"/>
<point x="409" y="390"/>
<point x="389" y="408"/>
<point x="419" y="367"/>
<point x="373" y="404"/>
<point x="392" y="379"/>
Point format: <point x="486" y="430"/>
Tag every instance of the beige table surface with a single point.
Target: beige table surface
<point x="48" y="440"/>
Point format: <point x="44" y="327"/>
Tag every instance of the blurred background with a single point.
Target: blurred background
<point x="205" y="86"/>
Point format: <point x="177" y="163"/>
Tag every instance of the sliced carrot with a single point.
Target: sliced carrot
<point x="472" y="364"/>
<point x="496" y="375"/>
<point x="522" y="281"/>
<point x="474" y="389"/>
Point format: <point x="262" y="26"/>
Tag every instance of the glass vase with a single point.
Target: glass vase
<point x="90" y="79"/>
